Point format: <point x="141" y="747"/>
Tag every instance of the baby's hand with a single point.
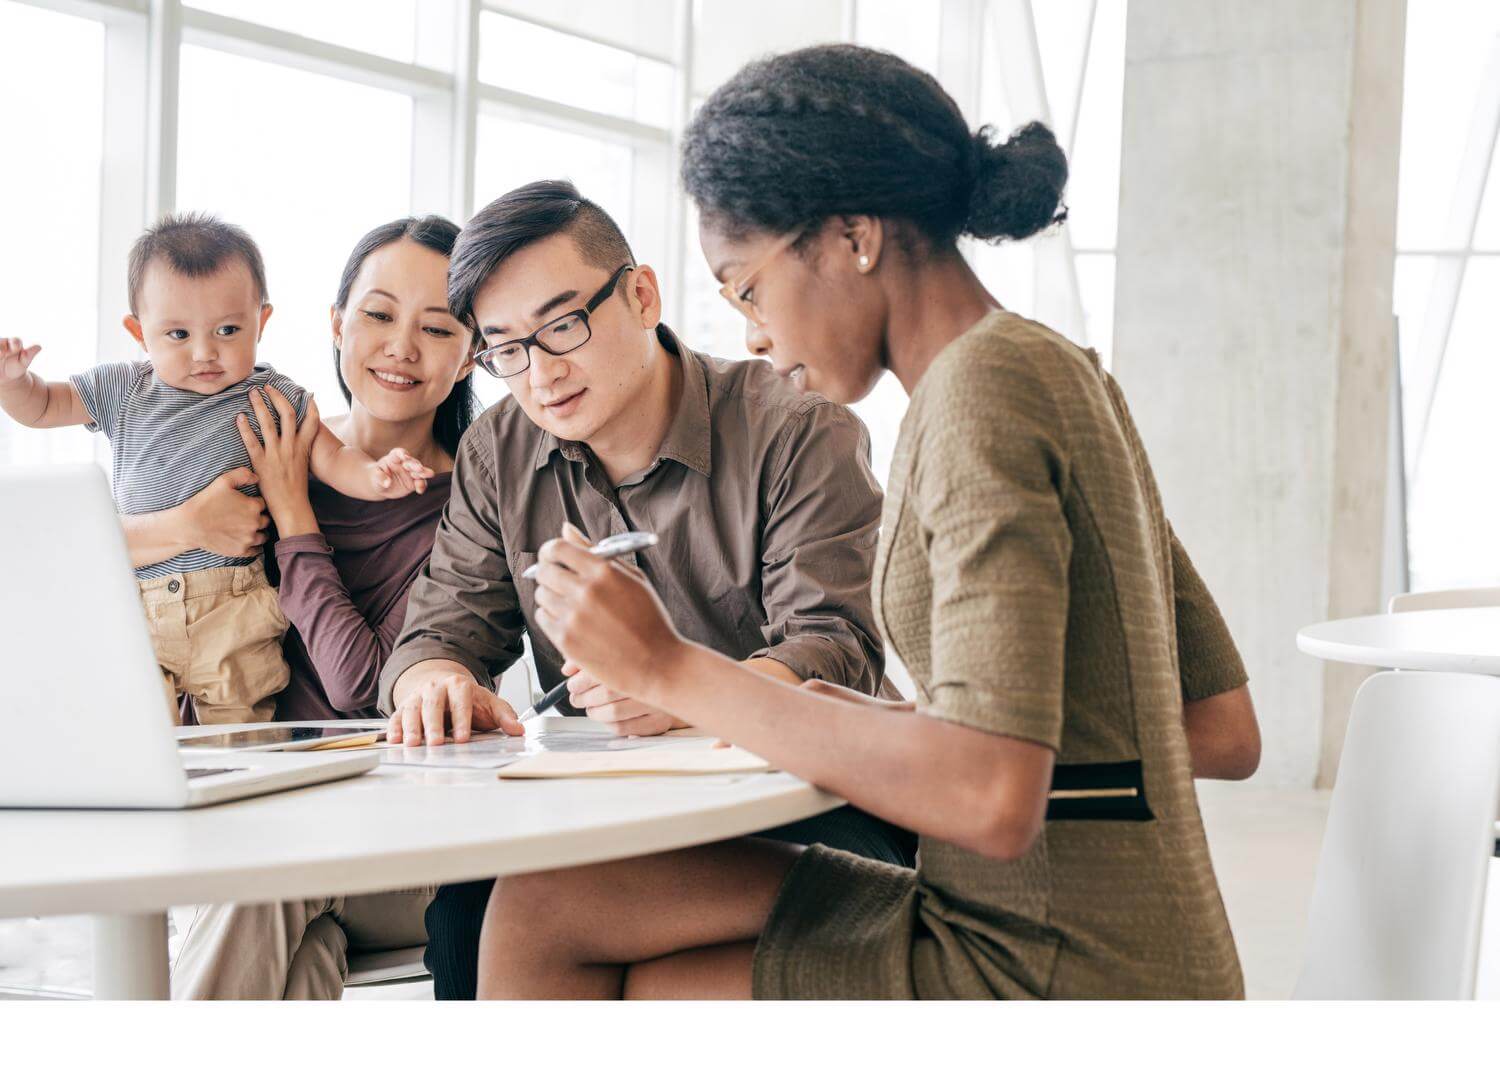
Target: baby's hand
<point x="15" y="359"/>
<point x="399" y="474"/>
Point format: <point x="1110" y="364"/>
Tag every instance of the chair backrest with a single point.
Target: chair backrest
<point x="515" y="685"/>
<point x="1398" y="903"/>
<point x="518" y="685"/>
<point x="1445" y="599"/>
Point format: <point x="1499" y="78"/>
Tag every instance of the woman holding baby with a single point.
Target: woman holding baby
<point x="345" y="566"/>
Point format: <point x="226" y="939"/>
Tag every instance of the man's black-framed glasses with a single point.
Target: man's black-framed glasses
<point x="560" y="336"/>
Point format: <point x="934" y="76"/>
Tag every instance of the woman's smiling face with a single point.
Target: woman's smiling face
<point x="400" y="350"/>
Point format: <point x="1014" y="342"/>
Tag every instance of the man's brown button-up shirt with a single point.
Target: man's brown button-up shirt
<point x="762" y="499"/>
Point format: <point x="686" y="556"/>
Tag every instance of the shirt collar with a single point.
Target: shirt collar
<point x="689" y="437"/>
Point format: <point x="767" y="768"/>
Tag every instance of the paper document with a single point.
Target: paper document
<point x="661" y="759"/>
<point x="483" y="751"/>
<point x="549" y="733"/>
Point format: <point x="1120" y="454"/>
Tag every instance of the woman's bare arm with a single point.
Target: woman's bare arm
<point x="1223" y="735"/>
<point x="978" y="790"/>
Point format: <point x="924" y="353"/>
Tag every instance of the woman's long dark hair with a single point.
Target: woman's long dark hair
<point x="844" y="130"/>
<point x="437" y="234"/>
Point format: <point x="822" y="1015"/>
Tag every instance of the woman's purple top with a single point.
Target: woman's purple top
<point x="344" y="591"/>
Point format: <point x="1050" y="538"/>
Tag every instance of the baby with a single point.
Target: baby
<point x="198" y="306"/>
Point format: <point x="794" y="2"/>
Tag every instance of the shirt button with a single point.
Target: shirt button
<point x="174" y="586"/>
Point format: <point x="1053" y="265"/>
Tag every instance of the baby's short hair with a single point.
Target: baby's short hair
<point x="194" y="244"/>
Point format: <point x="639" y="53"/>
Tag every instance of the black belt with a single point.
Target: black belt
<point x="1098" y="791"/>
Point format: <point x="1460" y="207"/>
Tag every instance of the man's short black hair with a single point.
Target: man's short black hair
<point x="526" y="215"/>
<point x="196" y="245"/>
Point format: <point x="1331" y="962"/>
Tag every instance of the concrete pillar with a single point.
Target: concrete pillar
<point x="1254" y="335"/>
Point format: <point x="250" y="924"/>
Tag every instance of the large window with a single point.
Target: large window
<point x="49" y="197"/>
<point x="307" y="124"/>
<point x="1447" y="273"/>
<point x="307" y="164"/>
<point x="523" y="56"/>
<point x="381" y="27"/>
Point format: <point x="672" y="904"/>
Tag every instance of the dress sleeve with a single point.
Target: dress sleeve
<point x="822" y="522"/>
<point x="463" y="606"/>
<point x="103" y="390"/>
<point x="347" y="650"/>
<point x="1208" y="661"/>
<point x="988" y="480"/>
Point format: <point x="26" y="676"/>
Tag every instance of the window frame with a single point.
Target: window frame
<point x="143" y="43"/>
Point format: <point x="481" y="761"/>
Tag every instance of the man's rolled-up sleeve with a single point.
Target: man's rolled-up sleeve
<point x="464" y="605"/>
<point x="822" y="522"/>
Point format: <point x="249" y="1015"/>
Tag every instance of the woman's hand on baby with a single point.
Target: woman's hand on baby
<point x="280" y="455"/>
<point x="399" y="474"/>
<point x="15" y="359"/>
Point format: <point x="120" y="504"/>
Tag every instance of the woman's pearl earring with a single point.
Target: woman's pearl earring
<point x="864" y="262"/>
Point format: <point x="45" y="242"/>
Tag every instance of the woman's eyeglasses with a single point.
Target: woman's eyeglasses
<point x="557" y="337"/>
<point x="735" y="290"/>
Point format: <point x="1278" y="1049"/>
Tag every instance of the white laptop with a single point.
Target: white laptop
<point x="83" y="715"/>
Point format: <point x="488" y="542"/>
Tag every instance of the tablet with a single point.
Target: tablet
<point x="275" y="736"/>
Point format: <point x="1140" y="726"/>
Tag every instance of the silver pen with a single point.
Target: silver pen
<point x="622" y="543"/>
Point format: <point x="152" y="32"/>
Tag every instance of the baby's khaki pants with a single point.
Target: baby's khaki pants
<point x="217" y="634"/>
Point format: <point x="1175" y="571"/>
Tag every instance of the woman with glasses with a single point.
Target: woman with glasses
<point x="1073" y="672"/>
<point x="345" y="568"/>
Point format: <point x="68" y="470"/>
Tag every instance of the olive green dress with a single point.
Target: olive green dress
<point x="1030" y="583"/>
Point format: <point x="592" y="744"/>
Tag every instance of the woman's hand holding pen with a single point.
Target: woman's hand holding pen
<point x="604" y="616"/>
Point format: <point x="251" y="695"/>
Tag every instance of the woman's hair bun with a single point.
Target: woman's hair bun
<point x="1017" y="184"/>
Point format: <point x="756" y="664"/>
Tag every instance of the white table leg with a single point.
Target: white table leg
<point x="130" y="957"/>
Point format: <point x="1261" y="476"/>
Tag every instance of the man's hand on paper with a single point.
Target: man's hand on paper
<point x="445" y="699"/>
<point x="626" y="717"/>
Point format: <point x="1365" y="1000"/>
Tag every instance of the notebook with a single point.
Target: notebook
<point x="657" y="760"/>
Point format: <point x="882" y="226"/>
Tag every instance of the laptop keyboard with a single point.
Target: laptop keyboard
<point x="204" y="772"/>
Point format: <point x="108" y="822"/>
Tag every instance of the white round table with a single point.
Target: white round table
<point x="1463" y="641"/>
<point x="390" y="828"/>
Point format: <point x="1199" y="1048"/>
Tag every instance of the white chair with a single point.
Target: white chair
<point x="1398" y="903"/>
<point x="1445" y="599"/>
<point x="518" y="683"/>
<point x="516" y="687"/>
<point x="1451" y="599"/>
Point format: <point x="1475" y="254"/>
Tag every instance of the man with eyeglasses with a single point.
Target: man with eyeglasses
<point x="761" y="497"/>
